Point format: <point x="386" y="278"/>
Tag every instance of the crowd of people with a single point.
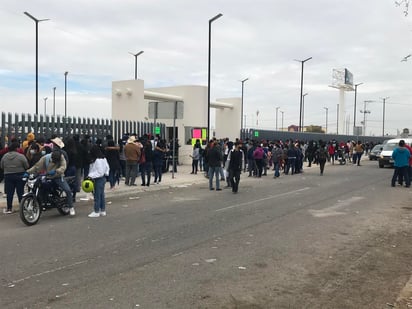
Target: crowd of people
<point x="133" y="157"/>
<point x="257" y="157"/>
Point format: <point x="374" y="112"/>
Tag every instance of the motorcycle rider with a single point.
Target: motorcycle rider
<point x="54" y="165"/>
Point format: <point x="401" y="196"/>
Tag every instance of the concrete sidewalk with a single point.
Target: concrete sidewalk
<point x="181" y="178"/>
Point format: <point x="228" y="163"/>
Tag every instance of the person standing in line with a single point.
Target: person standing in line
<point x="147" y="165"/>
<point x="235" y="157"/>
<point x="195" y="157"/>
<point x="132" y="153"/>
<point x="322" y="156"/>
<point x="113" y="159"/>
<point x="214" y="159"/>
<point x="14" y="165"/>
<point x="99" y="170"/>
<point x="258" y="155"/>
<point x="158" y="160"/>
<point x="401" y="156"/>
<point x="277" y="155"/>
<point x="122" y="158"/>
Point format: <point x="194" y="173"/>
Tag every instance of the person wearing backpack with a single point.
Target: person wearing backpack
<point x="55" y="166"/>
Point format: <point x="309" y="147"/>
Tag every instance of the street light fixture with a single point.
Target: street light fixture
<point x="303" y="109"/>
<point x="135" y="62"/>
<point x="241" y="112"/>
<point x="37" y="56"/>
<point x="326" y="128"/>
<point x="65" y="94"/>
<point x="364" y="112"/>
<point x="45" y="99"/>
<point x="383" y="117"/>
<point x="208" y="72"/>
<point x="54" y="101"/>
<point x="301" y="92"/>
<point x="354" y="108"/>
<point x="277" y="108"/>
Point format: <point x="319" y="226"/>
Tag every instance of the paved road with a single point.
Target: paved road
<point x="304" y="241"/>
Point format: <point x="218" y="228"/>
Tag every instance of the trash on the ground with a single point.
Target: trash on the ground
<point x="11" y="285"/>
<point x="109" y="203"/>
<point x="210" y="260"/>
<point x="214" y="247"/>
<point x="195" y="264"/>
<point x="134" y="197"/>
<point x="242" y="267"/>
<point x="65" y="284"/>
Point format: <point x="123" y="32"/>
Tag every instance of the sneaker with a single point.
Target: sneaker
<point x="7" y="211"/>
<point x="72" y="212"/>
<point x="102" y="214"/>
<point x="94" y="215"/>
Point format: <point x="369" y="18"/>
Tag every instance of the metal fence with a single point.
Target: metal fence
<point x="272" y="135"/>
<point x="18" y="126"/>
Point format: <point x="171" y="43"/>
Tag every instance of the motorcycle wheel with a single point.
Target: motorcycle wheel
<point x="30" y="210"/>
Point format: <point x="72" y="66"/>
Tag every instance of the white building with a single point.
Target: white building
<point x="130" y="101"/>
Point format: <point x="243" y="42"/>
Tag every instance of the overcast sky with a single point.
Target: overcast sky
<point x="256" y="39"/>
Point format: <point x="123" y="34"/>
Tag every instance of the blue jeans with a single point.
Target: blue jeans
<point x="157" y="172"/>
<point x="13" y="182"/>
<point x="99" y="199"/>
<point x="214" y="171"/>
<point x="62" y="183"/>
<point x="276" y="165"/>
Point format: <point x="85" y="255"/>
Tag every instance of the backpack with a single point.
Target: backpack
<point x="322" y="153"/>
<point x="56" y="152"/>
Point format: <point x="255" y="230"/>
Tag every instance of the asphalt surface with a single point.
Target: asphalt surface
<point x="302" y="241"/>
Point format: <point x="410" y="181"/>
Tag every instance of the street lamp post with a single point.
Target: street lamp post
<point x="364" y="112"/>
<point x="383" y="117"/>
<point x="54" y="101"/>
<point x="326" y="127"/>
<point x="354" y="108"/>
<point x="208" y="72"/>
<point x="36" y="21"/>
<point x="65" y="94"/>
<point x="277" y="109"/>
<point x="241" y="112"/>
<point x="45" y="100"/>
<point x="301" y="92"/>
<point x="303" y="109"/>
<point x="282" y="118"/>
<point x="135" y="62"/>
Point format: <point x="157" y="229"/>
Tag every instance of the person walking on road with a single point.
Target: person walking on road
<point x="14" y="165"/>
<point x="322" y="156"/>
<point x="401" y="156"/>
<point x="235" y="157"/>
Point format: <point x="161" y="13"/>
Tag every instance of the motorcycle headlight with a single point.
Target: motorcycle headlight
<point x="30" y="183"/>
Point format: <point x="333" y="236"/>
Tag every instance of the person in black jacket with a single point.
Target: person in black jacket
<point x="146" y="167"/>
<point x="235" y="166"/>
<point x="214" y="159"/>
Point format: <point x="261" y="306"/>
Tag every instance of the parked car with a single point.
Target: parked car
<point x="385" y="157"/>
<point x="375" y="152"/>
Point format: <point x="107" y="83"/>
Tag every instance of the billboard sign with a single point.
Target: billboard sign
<point x="348" y="78"/>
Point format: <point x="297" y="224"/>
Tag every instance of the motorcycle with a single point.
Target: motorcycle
<point x="43" y="194"/>
<point x="341" y="156"/>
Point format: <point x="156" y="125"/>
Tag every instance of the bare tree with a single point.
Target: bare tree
<point x="403" y="4"/>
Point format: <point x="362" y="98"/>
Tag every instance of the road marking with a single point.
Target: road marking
<point x="333" y="210"/>
<point x="263" y="199"/>
<point x="12" y="283"/>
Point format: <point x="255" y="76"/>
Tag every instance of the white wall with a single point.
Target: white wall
<point x="128" y="100"/>
<point x="228" y="119"/>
